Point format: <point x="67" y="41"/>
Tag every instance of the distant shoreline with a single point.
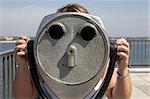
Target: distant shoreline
<point x="7" y="41"/>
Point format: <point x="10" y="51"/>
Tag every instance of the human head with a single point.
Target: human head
<point x="73" y="8"/>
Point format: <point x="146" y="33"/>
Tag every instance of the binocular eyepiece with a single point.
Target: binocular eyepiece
<point x="88" y="32"/>
<point x="57" y="30"/>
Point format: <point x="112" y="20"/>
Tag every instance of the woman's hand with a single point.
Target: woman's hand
<point x="123" y="56"/>
<point x="21" y="53"/>
<point x="23" y="87"/>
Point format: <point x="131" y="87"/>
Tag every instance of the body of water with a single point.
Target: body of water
<point x="4" y="46"/>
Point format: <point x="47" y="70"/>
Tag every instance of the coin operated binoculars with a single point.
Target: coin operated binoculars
<point x="71" y="57"/>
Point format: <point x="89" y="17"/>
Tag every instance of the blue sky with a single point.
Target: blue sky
<point x="127" y="18"/>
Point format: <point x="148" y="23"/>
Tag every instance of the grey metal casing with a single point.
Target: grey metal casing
<point x="50" y="55"/>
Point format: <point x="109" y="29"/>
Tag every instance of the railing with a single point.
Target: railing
<point x="7" y="73"/>
<point x="139" y="51"/>
<point x="140" y="56"/>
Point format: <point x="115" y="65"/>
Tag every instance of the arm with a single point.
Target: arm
<point x="120" y="86"/>
<point x="22" y="87"/>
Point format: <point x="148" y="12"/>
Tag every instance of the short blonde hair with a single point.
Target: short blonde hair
<point x="73" y="8"/>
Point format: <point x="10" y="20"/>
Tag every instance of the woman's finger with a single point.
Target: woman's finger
<point x="121" y="55"/>
<point x="20" y="41"/>
<point x="122" y="41"/>
<point x="21" y="46"/>
<point x="24" y="37"/>
<point x="21" y="53"/>
<point x="123" y="48"/>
